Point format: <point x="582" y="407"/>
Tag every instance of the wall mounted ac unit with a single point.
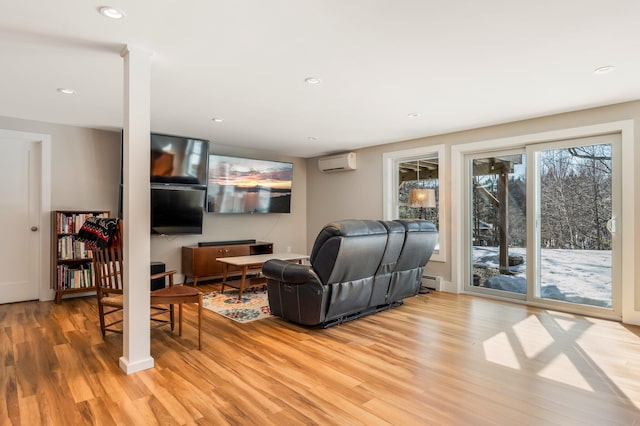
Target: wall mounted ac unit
<point x="338" y="163"/>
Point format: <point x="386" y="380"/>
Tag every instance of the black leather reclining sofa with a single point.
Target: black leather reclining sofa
<point x="357" y="267"/>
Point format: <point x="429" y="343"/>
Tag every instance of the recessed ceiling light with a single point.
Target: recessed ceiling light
<point x="66" y="91"/>
<point x="604" y="70"/>
<point x="413" y="115"/>
<point x="111" y="12"/>
<point x="217" y="119"/>
<point x="312" y="80"/>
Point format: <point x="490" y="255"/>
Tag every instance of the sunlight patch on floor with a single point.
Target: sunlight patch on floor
<point x="529" y="342"/>
<point x="561" y="369"/>
<point x="497" y="349"/>
<point x="532" y="336"/>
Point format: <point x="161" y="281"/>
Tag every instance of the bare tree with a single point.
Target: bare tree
<point x="576" y="197"/>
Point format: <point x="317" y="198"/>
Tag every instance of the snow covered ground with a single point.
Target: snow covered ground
<point x="578" y="276"/>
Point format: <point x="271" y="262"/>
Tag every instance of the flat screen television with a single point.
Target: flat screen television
<point x="245" y="185"/>
<point x="177" y="210"/>
<point x="178" y="160"/>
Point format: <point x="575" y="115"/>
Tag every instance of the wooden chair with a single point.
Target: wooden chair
<point x="109" y="288"/>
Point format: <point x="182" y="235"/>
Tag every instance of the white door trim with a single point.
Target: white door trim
<point x="44" y="261"/>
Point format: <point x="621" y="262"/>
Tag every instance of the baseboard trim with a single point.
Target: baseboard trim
<point x="449" y="287"/>
<point x="134" y="367"/>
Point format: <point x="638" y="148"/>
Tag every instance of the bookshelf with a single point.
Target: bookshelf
<point x="71" y="264"/>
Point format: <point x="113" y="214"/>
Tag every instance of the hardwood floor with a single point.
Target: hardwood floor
<point x="438" y="359"/>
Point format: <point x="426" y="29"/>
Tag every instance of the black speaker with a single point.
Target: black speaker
<point x="156" y="268"/>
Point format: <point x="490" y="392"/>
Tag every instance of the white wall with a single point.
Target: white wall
<point x="85" y="164"/>
<point x="356" y="194"/>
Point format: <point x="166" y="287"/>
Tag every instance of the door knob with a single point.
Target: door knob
<point x="34" y="228"/>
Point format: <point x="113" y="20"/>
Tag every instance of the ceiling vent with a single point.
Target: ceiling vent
<point x="338" y="163"/>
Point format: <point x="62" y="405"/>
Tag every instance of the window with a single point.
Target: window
<point x="413" y="188"/>
<point x="418" y="189"/>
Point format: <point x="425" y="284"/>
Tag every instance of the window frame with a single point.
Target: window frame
<point x="390" y="185"/>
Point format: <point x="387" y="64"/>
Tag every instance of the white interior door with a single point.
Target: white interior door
<point x="19" y="227"/>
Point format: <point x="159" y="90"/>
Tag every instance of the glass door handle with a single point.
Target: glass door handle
<point x="611" y="225"/>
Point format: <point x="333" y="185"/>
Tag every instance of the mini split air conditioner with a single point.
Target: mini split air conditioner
<point x="338" y="163"/>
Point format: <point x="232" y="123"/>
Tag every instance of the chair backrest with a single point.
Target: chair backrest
<point x="395" y="241"/>
<point x="348" y="250"/>
<point x="396" y="232"/>
<point x="107" y="263"/>
<point x="420" y="239"/>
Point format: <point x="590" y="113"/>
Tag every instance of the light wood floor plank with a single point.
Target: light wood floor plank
<point x="438" y="359"/>
<point x="9" y="405"/>
<point x="96" y="411"/>
<point x="165" y="394"/>
<point x="30" y="411"/>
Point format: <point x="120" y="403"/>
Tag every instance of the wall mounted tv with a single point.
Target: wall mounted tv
<point x="245" y="185"/>
<point x="177" y="210"/>
<point x="178" y="160"/>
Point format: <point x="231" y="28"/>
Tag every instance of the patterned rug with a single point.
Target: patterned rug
<point x="253" y="305"/>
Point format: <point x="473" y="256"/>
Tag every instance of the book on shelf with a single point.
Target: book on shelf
<point x="70" y="223"/>
<point x="74" y="277"/>
<point x="70" y="248"/>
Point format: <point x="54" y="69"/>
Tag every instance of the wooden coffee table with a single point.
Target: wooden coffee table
<point x="252" y="262"/>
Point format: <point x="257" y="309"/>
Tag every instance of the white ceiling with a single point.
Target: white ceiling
<point x="459" y="64"/>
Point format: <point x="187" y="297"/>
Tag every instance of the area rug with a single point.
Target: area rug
<point x="253" y="305"/>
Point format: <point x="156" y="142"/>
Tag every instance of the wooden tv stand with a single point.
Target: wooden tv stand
<point x="202" y="261"/>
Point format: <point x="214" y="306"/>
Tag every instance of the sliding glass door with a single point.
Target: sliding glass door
<point x="542" y="224"/>
<point x="576" y="201"/>
<point x="498" y="223"/>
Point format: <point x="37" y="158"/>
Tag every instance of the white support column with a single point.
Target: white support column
<point x="136" y="194"/>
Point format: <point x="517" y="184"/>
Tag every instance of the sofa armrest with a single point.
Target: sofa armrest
<point x="288" y="272"/>
<point x="295" y="292"/>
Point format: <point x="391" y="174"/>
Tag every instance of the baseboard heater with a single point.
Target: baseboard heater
<point x="432" y="282"/>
